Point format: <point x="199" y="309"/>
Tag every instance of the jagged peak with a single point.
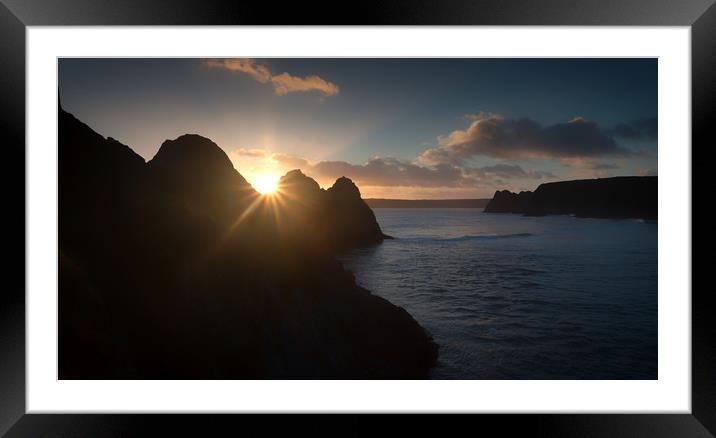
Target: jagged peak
<point x="190" y="140"/>
<point x="344" y="180"/>
<point x="192" y="158"/>
<point x="295" y="180"/>
<point x="294" y="172"/>
<point x="190" y="150"/>
<point x="345" y="185"/>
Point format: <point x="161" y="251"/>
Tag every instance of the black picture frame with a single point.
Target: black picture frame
<point x="15" y="15"/>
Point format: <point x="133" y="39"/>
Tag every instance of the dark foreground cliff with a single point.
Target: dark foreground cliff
<point x="618" y="197"/>
<point x="178" y="269"/>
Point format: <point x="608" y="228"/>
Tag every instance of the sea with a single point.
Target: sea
<point x="507" y="296"/>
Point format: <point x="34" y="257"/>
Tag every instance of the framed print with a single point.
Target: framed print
<point x="470" y="207"/>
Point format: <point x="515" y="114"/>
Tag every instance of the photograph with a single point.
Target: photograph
<point x="345" y="218"/>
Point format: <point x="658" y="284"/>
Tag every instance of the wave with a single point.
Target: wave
<point x="488" y="236"/>
<point x="467" y="237"/>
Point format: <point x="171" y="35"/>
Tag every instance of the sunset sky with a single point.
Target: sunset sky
<point x="400" y="128"/>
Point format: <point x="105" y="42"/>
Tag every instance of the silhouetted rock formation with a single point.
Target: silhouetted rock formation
<point x="349" y="219"/>
<point x="618" y="197"/>
<point x="177" y="268"/>
<point x="299" y="187"/>
<point x="336" y="218"/>
<point x="195" y="167"/>
<point x="507" y="202"/>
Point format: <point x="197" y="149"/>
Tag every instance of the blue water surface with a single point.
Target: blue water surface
<point x="514" y="297"/>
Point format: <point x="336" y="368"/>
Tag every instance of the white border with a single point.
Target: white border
<point x="670" y="393"/>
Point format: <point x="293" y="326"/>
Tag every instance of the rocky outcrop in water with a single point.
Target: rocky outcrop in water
<point x="351" y="221"/>
<point x="177" y="268"/>
<point x="618" y="197"/>
<point x="337" y="218"/>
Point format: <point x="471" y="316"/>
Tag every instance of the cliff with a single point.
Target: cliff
<point x="350" y="221"/>
<point x="177" y="268"/>
<point x="618" y="197"/>
<point x="507" y="202"/>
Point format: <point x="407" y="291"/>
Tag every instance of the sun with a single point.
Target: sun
<point x="266" y="183"/>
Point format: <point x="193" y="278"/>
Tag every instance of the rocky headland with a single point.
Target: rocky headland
<point x="177" y="268"/>
<point x="618" y="197"/>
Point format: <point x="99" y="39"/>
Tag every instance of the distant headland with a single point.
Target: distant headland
<point x="426" y="203"/>
<point x="617" y="197"/>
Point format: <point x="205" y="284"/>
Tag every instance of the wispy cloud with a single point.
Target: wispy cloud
<point x="255" y="153"/>
<point x="283" y="83"/>
<point x="257" y="71"/>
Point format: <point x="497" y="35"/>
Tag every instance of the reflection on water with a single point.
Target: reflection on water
<point x="513" y="297"/>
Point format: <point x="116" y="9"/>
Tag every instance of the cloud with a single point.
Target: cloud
<point x="283" y="83"/>
<point x="603" y="166"/>
<point x="514" y="171"/>
<point x="638" y="130"/>
<point x="257" y="71"/>
<point x="254" y="153"/>
<point x="589" y="163"/>
<point x="290" y="161"/>
<point x="578" y="144"/>
<point x="393" y="172"/>
<point x="377" y="172"/>
<point x="494" y="136"/>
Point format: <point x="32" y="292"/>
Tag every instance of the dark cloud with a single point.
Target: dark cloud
<point x="602" y="166"/>
<point x="514" y="171"/>
<point x="495" y="136"/>
<point x="578" y="143"/>
<point x="638" y="130"/>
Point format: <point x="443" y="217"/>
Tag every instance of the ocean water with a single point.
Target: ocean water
<point x="513" y="297"/>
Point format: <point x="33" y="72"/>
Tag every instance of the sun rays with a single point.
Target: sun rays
<point x="274" y="207"/>
<point x="266" y="183"/>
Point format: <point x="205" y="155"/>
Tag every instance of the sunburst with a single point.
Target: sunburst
<point x="266" y="184"/>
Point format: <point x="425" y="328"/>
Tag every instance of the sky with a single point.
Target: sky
<point x="425" y="128"/>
